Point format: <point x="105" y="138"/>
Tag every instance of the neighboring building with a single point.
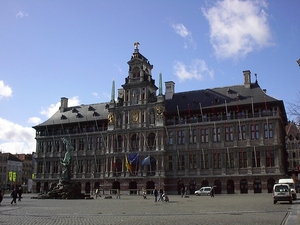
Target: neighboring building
<point x="3" y="168"/>
<point x="12" y="169"/>
<point x="293" y="148"/>
<point x="27" y="170"/>
<point x="231" y="137"/>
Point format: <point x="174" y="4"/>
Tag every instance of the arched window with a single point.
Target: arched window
<point x="151" y="141"/>
<point x="134" y="142"/>
<point x="118" y="143"/>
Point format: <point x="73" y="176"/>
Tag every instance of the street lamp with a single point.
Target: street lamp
<point x="159" y="173"/>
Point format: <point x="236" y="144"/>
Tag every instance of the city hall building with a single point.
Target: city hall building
<point x="231" y="137"/>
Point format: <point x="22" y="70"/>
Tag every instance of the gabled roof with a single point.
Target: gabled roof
<point x="218" y="97"/>
<point x="11" y="157"/>
<point x="77" y="114"/>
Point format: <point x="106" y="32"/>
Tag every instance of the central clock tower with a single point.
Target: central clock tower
<point x="137" y="105"/>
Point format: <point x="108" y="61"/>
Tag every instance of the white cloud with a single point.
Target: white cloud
<point x="95" y="94"/>
<point x="197" y="70"/>
<point x="15" y="138"/>
<point x="187" y="35"/>
<point x="34" y="120"/>
<point x="21" y="14"/>
<point x="238" y="27"/>
<point x="53" y="108"/>
<point x="5" y="90"/>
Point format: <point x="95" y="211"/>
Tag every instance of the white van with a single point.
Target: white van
<point x="291" y="184"/>
<point x="282" y="192"/>
<point x="203" y="191"/>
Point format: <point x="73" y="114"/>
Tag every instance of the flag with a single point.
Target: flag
<point x="126" y="163"/>
<point x="146" y="161"/>
<point x="133" y="158"/>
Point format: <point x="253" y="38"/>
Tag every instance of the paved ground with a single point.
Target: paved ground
<point x="223" y="209"/>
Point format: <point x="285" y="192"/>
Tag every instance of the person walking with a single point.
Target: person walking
<point x="20" y="192"/>
<point x="144" y="193"/>
<point x="160" y="198"/>
<point x="14" y="196"/>
<point x="212" y="192"/>
<point x="155" y="192"/>
<point x="1" y="195"/>
<point x="118" y="194"/>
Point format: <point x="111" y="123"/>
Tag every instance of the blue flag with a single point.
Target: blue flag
<point x="146" y="161"/>
<point x="133" y="158"/>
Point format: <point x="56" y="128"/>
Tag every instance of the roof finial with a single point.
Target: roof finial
<point x="136" y="45"/>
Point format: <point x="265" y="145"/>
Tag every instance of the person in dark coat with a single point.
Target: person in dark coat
<point x="20" y="192"/>
<point x="212" y="192"/>
<point x="14" y="196"/>
<point x="155" y="192"/>
<point x="1" y="195"/>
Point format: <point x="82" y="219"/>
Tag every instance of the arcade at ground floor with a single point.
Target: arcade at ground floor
<point x="134" y="185"/>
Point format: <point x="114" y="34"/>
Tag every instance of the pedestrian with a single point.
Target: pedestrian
<point x="1" y="195"/>
<point x="97" y="193"/>
<point x="14" y="196"/>
<point x="160" y="198"/>
<point x="212" y="192"/>
<point x="182" y="192"/>
<point x="118" y="194"/>
<point x="144" y="193"/>
<point x="155" y="192"/>
<point x="20" y="192"/>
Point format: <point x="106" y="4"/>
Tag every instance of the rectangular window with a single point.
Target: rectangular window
<point x="98" y="166"/>
<point x="80" y="166"/>
<point x="229" y="160"/>
<point x="204" y="135"/>
<point x="81" y="144"/>
<point x="40" y="167"/>
<point x="270" y="158"/>
<point x="180" y="137"/>
<point x="204" y="161"/>
<point x="193" y="136"/>
<point x="88" y="166"/>
<point x="268" y="130"/>
<point x="90" y="143"/>
<point x="56" y="146"/>
<point x="192" y="162"/>
<point x="242" y="159"/>
<point x="255" y="158"/>
<point x="229" y="133"/>
<point x="242" y="132"/>
<point x="170" y="137"/>
<point x="55" y="167"/>
<point x="181" y="162"/>
<point x="217" y="134"/>
<point x="47" y="167"/>
<point x="254" y="131"/>
<point x="217" y="160"/>
<point x="170" y="163"/>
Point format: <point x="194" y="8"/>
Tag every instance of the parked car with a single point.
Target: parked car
<point x="203" y="191"/>
<point x="282" y="192"/>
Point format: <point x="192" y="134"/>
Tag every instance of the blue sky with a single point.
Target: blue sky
<point x="74" y="49"/>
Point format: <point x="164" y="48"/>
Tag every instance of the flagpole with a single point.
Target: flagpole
<point x="203" y="155"/>
<point x="252" y="107"/>
<point x="178" y="115"/>
<point x="255" y="156"/>
<point x="226" y="109"/>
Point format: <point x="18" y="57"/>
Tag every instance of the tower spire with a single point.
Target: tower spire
<point x="113" y="92"/>
<point x="160" y="84"/>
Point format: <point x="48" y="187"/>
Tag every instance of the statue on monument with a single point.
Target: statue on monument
<point x="66" y="161"/>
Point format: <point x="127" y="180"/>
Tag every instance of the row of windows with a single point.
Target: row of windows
<point x="91" y="143"/>
<point x="215" y="134"/>
<point x="243" y="161"/>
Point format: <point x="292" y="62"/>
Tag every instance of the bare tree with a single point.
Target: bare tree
<point x="293" y="109"/>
